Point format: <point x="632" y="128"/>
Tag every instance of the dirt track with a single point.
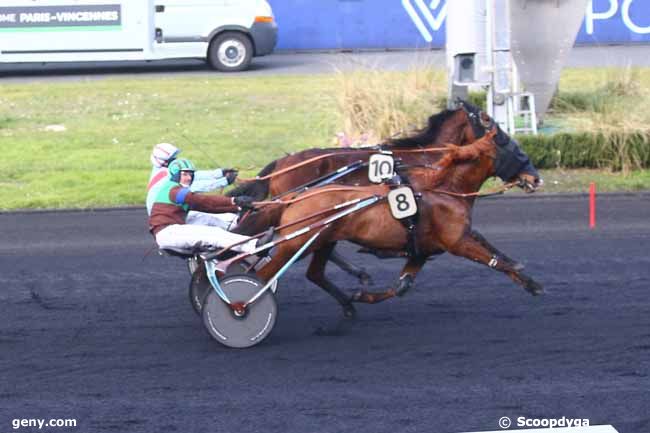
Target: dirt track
<point x="89" y="330"/>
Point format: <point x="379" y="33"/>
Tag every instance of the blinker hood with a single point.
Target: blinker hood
<point x="510" y="159"/>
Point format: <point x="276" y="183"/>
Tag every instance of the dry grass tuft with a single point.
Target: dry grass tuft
<point x="376" y="105"/>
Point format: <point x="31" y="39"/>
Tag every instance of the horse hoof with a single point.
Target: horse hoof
<point x="535" y="289"/>
<point x="404" y="285"/>
<point x="365" y="279"/>
<point x="349" y="312"/>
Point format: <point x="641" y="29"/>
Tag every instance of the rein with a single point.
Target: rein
<point x="488" y="193"/>
<point x="308" y="195"/>
<point x="327" y="155"/>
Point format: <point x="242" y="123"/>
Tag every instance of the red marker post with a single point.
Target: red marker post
<point x="592" y="205"/>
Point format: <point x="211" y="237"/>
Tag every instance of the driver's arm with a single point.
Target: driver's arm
<point x="208" y="180"/>
<point x="202" y="202"/>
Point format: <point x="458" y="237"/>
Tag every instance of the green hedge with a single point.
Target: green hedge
<point x="588" y="150"/>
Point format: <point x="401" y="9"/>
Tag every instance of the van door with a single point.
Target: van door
<point x="190" y="20"/>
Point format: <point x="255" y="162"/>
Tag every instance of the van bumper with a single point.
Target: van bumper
<point x="265" y="37"/>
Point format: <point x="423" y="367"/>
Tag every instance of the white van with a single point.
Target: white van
<point x="227" y="33"/>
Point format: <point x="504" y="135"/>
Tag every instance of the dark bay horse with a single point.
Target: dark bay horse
<point x="460" y="126"/>
<point x="444" y="220"/>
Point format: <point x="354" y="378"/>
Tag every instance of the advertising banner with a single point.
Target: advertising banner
<point x="397" y="24"/>
<point x="34" y="18"/>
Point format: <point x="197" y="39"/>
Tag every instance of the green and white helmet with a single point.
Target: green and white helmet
<point x="179" y="165"/>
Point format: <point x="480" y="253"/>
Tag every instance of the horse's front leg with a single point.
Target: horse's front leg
<point x="316" y="274"/>
<point x="473" y="249"/>
<point x="495" y="252"/>
<point x="405" y="282"/>
<point x="357" y="271"/>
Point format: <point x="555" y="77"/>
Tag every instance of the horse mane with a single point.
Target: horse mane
<point x="427" y="135"/>
<point x="258" y="189"/>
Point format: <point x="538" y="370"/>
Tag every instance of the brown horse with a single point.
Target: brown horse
<point x="460" y="126"/>
<point x="444" y="222"/>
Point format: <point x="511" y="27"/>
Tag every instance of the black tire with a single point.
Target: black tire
<point x="192" y="264"/>
<point x="199" y="288"/>
<point x="230" y="52"/>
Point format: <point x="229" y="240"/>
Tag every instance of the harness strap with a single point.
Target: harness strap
<point x="410" y="223"/>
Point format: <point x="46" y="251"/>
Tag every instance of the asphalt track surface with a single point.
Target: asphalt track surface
<point x="297" y="63"/>
<point x="92" y="330"/>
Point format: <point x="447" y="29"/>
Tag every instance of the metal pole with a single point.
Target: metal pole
<point x="489" y="55"/>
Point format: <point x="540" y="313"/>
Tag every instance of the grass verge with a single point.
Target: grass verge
<point x="86" y="144"/>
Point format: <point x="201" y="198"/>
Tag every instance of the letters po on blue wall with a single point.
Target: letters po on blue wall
<point x="392" y="24"/>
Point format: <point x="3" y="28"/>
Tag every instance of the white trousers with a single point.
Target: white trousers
<point x="226" y="221"/>
<point x="192" y="237"/>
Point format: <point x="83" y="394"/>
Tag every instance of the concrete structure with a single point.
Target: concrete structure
<point x="515" y="50"/>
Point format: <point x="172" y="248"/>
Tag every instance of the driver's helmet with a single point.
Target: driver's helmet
<point x="163" y="154"/>
<point x="179" y="165"/>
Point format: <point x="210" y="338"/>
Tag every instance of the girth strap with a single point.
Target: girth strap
<point x="410" y="223"/>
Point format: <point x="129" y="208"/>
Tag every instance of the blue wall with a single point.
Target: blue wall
<point x="386" y="24"/>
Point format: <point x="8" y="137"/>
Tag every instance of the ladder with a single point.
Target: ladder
<point x="521" y="112"/>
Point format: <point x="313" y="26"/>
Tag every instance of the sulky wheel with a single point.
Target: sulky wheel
<point x="240" y="329"/>
<point x="200" y="285"/>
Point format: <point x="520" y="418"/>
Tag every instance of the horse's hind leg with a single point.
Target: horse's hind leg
<point x="472" y="249"/>
<point x="495" y="252"/>
<point x="357" y="271"/>
<point x="316" y="274"/>
<point x="405" y="282"/>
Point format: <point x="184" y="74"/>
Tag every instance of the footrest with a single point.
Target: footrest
<point x="186" y="254"/>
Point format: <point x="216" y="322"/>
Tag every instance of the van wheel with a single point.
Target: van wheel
<point x="230" y="52"/>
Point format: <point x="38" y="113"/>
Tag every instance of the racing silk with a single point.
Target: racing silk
<point x="173" y="201"/>
<point x="204" y="181"/>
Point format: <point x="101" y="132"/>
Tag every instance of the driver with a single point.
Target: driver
<point x="204" y="181"/>
<point x="173" y="201"/>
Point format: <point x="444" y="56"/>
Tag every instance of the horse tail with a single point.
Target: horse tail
<point x="258" y="189"/>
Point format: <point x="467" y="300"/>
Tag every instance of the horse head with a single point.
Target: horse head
<point x="511" y="163"/>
